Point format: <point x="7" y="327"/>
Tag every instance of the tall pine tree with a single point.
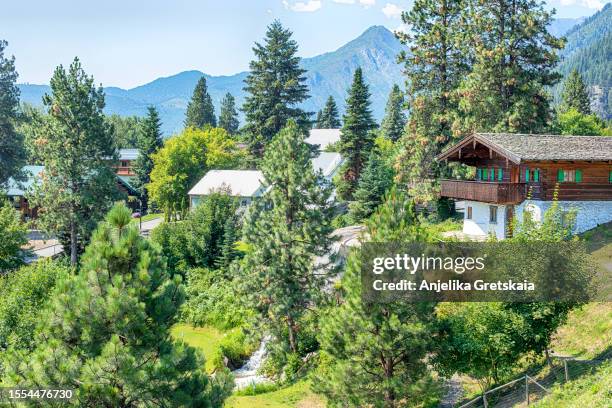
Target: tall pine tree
<point x="285" y="231"/>
<point x="393" y="123"/>
<point x="228" y="118"/>
<point x="149" y="142"/>
<point x="275" y="87"/>
<point x="329" y="115"/>
<point x="575" y="94"/>
<point x="319" y="121"/>
<point x="200" y="111"/>
<point x="374" y="182"/>
<point x="356" y="137"/>
<point x="12" y="151"/>
<point x="77" y="149"/>
<point x="106" y="333"/>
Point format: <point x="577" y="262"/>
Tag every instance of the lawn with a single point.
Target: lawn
<point x="148" y="217"/>
<point x="297" y="395"/>
<point x="207" y="339"/>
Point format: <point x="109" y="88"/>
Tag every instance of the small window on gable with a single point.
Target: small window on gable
<point x="572" y="176"/>
<point x="468" y="214"/>
<point x="492" y="214"/>
<point x="125" y="163"/>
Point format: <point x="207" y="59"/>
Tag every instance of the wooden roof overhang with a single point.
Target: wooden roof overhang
<point x="466" y="148"/>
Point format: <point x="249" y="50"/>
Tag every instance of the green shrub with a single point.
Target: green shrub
<point x="236" y="348"/>
<point x="256" y="389"/>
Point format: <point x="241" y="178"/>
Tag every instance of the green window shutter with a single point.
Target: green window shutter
<point x="479" y="174"/>
<point x="578" y="176"/>
<point x="560" y="175"/>
<point x="610" y="176"/>
<point x="492" y="175"/>
<point x="527" y="175"/>
<point x="485" y="174"/>
<point x="536" y="175"/>
<point x="500" y="174"/>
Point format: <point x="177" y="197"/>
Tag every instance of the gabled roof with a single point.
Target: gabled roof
<point x="128" y="154"/>
<point x="327" y="162"/>
<point x="31" y="177"/>
<point x="242" y="183"/>
<point x="526" y="147"/>
<point x="323" y="137"/>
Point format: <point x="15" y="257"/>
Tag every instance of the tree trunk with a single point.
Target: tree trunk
<point x="73" y="244"/>
<point x="292" y="339"/>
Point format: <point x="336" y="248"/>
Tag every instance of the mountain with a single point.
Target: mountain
<point x="560" y="26"/>
<point x="331" y="73"/>
<point x="589" y="50"/>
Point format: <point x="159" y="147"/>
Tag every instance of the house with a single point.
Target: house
<point x="16" y="190"/>
<point x="125" y="165"/>
<point x="518" y="172"/>
<point x="323" y="137"/>
<point x="248" y="184"/>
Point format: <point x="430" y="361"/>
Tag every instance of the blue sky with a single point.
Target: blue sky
<point x="131" y="42"/>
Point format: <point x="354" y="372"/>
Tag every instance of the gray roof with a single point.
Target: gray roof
<point x="242" y="183"/>
<point x="527" y="147"/>
<point x="128" y="154"/>
<point x="327" y="162"/>
<point x="323" y="137"/>
<point x="19" y="188"/>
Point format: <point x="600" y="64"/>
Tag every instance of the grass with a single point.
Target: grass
<point x="207" y="339"/>
<point x="148" y="217"/>
<point x="297" y="395"/>
<point x="587" y="332"/>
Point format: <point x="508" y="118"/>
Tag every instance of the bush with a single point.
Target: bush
<point x="256" y="389"/>
<point x="14" y="236"/>
<point x="236" y="348"/>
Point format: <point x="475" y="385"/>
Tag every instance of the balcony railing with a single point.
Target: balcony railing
<point x="488" y="192"/>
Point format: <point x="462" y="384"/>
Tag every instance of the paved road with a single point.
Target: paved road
<point x="147" y="226"/>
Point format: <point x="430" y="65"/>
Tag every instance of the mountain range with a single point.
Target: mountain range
<point x="375" y="51"/>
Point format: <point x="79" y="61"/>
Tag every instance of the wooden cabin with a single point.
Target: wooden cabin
<point x="518" y="172"/>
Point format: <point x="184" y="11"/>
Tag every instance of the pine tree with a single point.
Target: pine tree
<point x="356" y="137"/>
<point x="319" y="120"/>
<point x="200" y="111"/>
<point x="514" y="61"/>
<point x="329" y="115"/>
<point x="394" y="121"/>
<point x="149" y="142"/>
<point x="376" y="353"/>
<point x="107" y="332"/>
<point x="12" y="151"/>
<point x="228" y="246"/>
<point x="436" y="62"/>
<point x="76" y="145"/>
<point x="575" y="94"/>
<point x="228" y="118"/>
<point x="374" y="182"/>
<point x="284" y="232"/>
<point x="275" y="87"/>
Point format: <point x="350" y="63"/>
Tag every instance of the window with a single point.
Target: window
<point x="536" y="175"/>
<point x="469" y="213"/>
<point x="485" y="174"/>
<point x="532" y="175"/>
<point x="492" y="214"/>
<point x="572" y="176"/>
<point x="610" y="177"/>
<point x="479" y="174"/>
<point x="125" y="163"/>
<point x="492" y="174"/>
<point x="500" y="174"/>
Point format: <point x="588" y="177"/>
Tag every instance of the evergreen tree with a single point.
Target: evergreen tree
<point x="229" y="252"/>
<point x="77" y="149"/>
<point x="228" y="118"/>
<point x="394" y="121"/>
<point x="14" y="235"/>
<point x="107" y="332"/>
<point x="200" y="111"/>
<point x="12" y="151"/>
<point x="373" y="184"/>
<point x="356" y="137"/>
<point x="329" y="115"/>
<point x="284" y="232"/>
<point x="514" y="61"/>
<point x="275" y="87"/>
<point x="436" y="62"/>
<point x="575" y="94"/>
<point x="319" y="120"/>
<point x="376" y="353"/>
<point x="149" y="142"/>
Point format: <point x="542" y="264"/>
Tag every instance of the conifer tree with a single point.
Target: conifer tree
<point x="514" y="61"/>
<point x="12" y="151"/>
<point x="376" y="352"/>
<point x="77" y="148"/>
<point x="149" y="142"/>
<point x="200" y="111"/>
<point x="374" y="182"/>
<point x="106" y="333"/>
<point x="275" y="87"/>
<point x="575" y="94"/>
<point x="319" y="120"/>
<point x="356" y="137"/>
<point x="436" y="62"/>
<point x="329" y="115"/>
<point x="228" y="118"/>
<point x="284" y="232"/>
<point x="393" y="123"/>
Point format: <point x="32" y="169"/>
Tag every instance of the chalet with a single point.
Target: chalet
<point x="515" y="173"/>
<point x="17" y="190"/>
<point x="127" y="160"/>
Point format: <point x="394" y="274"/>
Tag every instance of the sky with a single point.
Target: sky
<point x="127" y="43"/>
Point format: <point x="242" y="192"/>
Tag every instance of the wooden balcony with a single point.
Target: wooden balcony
<point x="484" y="191"/>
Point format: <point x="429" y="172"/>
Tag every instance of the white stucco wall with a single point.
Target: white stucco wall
<point x="479" y="224"/>
<point x="589" y="214"/>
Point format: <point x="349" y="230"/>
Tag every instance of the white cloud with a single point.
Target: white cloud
<point x="303" y="7"/>
<point x="402" y="28"/>
<point x="592" y="4"/>
<point x="367" y="3"/>
<point x="392" y="10"/>
<point x="344" y="1"/>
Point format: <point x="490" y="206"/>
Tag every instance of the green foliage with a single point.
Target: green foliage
<point x="115" y="317"/>
<point x="285" y="230"/>
<point x="200" y="110"/>
<point x="12" y="152"/>
<point x="575" y="94"/>
<point x="77" y="149"/>
<point x="14" y="235"/>
<point x="374" y="354"/>
<point x="125" y="130"/>
<point x="572" y="122"/>
<point x="182" y="161"/>
<point x="275" y="87"/>
<point x="328" y="118"/>
<point x="149" y="142"/>
<point x="356" y="137"/>
<point x="392" y="126"/>
<point x="375" y="181"/>
<point x="256" y="389"/>
<point x="228" y="118"/>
